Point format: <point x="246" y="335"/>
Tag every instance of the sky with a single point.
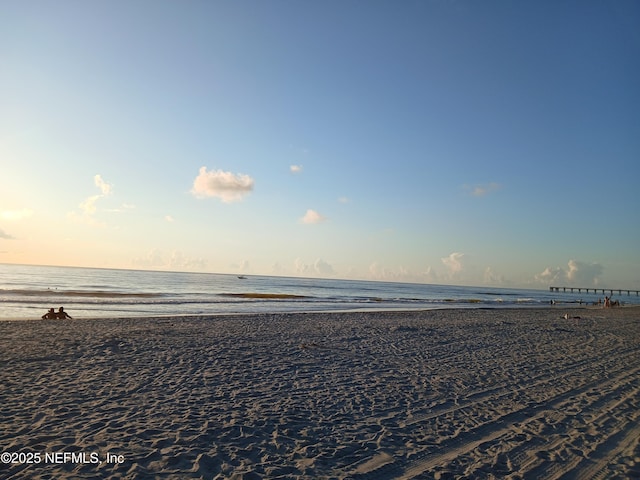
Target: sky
<point x="452" y="142"/>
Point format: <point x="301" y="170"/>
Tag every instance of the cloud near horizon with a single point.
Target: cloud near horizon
<point x="5" y="236"/>
<point x="312" y="217"/>
<point x="227" y="186"/>
<point x="379" y="272"/>
<point x="453" y="262"/>
<point x="319" y="267"/>
<point x="158" y="259"/>
<point x="491" y="277"/>
<point x="576" y="273"/>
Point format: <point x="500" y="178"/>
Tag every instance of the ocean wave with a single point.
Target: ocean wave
<point x="265" y="296"/>
<point x="79" y="293"/>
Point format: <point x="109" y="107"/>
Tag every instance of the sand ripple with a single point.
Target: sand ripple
<point x="440" y="394"/>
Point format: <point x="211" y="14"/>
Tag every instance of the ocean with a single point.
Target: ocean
<point x="27" y="292"/>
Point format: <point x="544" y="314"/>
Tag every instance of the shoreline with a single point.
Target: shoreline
<point x="375" y="394"/>
<point x="366" y="310"/>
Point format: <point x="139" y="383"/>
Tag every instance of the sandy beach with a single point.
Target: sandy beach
<point x="504" y="393"/>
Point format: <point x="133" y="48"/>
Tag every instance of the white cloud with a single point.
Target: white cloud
<point x="322" y="267"/>
<point x="153" y="258"/>
<point x="104" y="187"/>
<point x="88" y="207"/>
<point x="581" y="273"/>
<point x="312" y="217"/>
<point x="295" y="168"/>
<point x="180" y="261"/>
<point x="226" y="186"/>
<point x="453" y="262"/>
<point x="169" y="218"/>
<point x="429" y="275"/>
<point x="550" y="275"/>
<point x="319" y="267"/>
<point x="481" y="190"/>
<point x="491" y="277"/>
<point x="343" y="200"/>
<point x="378" y="272"/>
<point x="175" y="260"/>
<point x="13" y="215"/>
<point x="577" y="273"/>
<point x="5" y="236"/>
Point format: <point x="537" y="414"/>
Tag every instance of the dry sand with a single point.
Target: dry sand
<point x="436" y="394"/>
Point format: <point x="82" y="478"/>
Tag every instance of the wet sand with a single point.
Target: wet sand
<point x="505" y="393"/>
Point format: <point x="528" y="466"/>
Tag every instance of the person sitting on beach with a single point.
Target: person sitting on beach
<point x="50" y="314"/>
<point x="61" y="315"/>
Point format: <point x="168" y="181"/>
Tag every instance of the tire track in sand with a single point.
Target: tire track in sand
<point x="510" y="427"/>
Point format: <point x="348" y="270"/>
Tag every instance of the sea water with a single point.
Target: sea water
<point x="27" y="292"/>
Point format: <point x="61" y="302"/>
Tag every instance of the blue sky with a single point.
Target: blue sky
<point x="453" y="142"/>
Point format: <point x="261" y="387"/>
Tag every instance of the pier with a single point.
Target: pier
<point x="611" y="291"/>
